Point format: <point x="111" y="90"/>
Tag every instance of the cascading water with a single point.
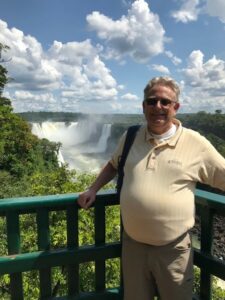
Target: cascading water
<point x="102" y="143"/>
<point x="84" y="143"/>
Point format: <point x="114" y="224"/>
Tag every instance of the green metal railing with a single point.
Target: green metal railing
<point x="72" y="255"/>
<point x="207" y="206"/>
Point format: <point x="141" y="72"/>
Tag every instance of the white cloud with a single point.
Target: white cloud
<point x="175" y="60"/>
<point x="31" y="101"/>
<point x="204" y="83"/>
<point x="207" y="75"/>
<point x="188" y="11"/>
<point x="216" y="8"/>
<point x="129" y="96"/>
<point x="126" y="3"/>
<point x="126" y="106"/>
<point x="84" y="74"/>
<point x="194" y="72"/>
<point x="73" y="70"/>
<point x="28" y="66"/>
<point x="161" y="69"/>
<point x="139" y="35"/>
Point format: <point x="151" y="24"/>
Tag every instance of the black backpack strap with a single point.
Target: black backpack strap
<point x="131" y="133"/>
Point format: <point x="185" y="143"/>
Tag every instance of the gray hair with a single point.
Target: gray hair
<point x="165" y="81"/>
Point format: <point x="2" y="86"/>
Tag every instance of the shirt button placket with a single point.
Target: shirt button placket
<point x="151" y="161"/>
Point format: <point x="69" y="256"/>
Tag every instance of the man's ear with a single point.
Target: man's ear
<point x="143" y="106"/>
<point x="176" y="106"/>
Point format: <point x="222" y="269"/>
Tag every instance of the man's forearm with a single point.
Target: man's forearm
<point x="105" y="176"/>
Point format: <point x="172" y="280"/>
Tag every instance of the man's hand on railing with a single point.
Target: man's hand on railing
<point x="86" y="199"/>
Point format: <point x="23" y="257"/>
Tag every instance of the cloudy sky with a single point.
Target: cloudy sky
<point x="97" y="56"/>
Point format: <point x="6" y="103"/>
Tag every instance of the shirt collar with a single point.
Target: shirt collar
<point x="173" y="140"/>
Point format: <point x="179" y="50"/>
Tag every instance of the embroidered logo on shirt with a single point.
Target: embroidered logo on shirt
<point x="175" y="162"/>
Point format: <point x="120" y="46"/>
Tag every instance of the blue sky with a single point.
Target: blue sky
<point x="96" y="56"/>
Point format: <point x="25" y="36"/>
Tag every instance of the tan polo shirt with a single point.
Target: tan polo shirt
<point x="157" y="196"/>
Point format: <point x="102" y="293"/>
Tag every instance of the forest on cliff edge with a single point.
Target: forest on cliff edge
<point x="29" y="166"/>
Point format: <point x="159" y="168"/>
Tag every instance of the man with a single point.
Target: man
<point x="157" y="198"/>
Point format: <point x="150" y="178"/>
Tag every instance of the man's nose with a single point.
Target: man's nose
<point x="158" y="104"/>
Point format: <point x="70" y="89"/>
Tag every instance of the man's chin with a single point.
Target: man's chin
<point x="157" y="124"/>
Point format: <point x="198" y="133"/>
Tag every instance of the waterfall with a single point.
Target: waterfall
<point x="73" y="134"/>
<point x="102" y="143"/>
<point x="42" y="131"/>
<point x="82" y="142"/>
<point x="81" y="131"/>
<point x="60" y="157"/>
<point x="37" y="130"/>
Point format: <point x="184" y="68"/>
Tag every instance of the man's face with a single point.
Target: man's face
<point x="159" y="113"/>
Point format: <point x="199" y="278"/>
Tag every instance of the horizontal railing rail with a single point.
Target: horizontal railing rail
<point x="71" y="256"/>
<point x="46" y="257"/>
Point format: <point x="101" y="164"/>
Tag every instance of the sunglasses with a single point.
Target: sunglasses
<point x="163" y="101"/>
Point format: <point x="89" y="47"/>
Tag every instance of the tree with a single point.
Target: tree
<point x="218" y="111"/>
<point x="3" y="77"/>
<point x="22" y="154"/>
<point x="2" y="49"/>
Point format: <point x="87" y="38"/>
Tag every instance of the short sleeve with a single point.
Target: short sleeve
<point x="118" y="151"/>
<point x="213" y="167"/>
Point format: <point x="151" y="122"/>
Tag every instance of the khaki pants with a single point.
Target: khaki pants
<point x="148" y="269"/>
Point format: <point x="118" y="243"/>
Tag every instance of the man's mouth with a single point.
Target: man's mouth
<point x="158" y="117"/>
<point x="158" y="114"/>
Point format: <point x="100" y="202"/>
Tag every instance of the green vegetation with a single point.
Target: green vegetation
<point x="212" y="126"/>
<point x="217" y="292"/>
<point x="73" y="117"/>
<point x="22" y="155"/>
<point x="29" y="166"/>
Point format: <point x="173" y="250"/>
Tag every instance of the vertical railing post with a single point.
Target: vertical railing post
<point x="121" y="239"/>
<point x="72" y="242"/>
<point x="44" y="245"/>
<point x="206" y="247"/>
<point x="99" y="240"/>
<point x="13" y="236"/>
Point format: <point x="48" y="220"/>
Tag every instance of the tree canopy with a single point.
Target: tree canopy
<point x="22" y="154"/>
